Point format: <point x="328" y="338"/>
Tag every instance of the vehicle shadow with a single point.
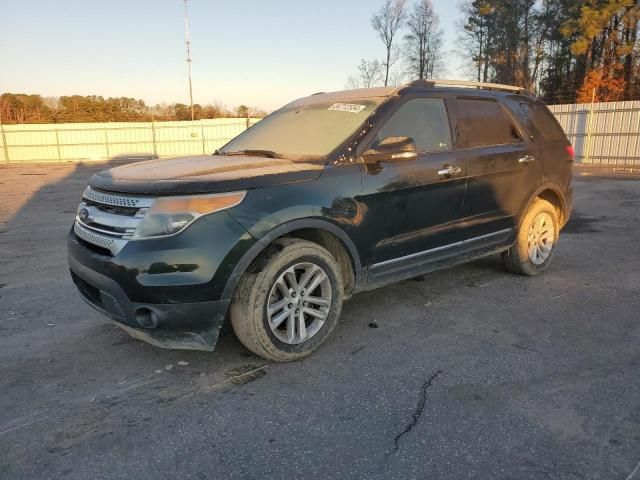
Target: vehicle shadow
<point x="49" y="335"/>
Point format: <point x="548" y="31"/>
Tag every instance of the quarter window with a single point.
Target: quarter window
<point x="423" y="119"/>
<point x="486" y="123"/>
<point x="544" y="121"/>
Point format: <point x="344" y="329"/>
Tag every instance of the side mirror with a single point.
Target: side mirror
<point x="392" y="149"/>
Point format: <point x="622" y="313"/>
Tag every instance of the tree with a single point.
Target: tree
<point x="561" y="72"/>
<point x="369" y="74"/>
<point x="424" y="41"/>
<point x="242" y="111"/>
<point x="477" y="34"/>
<point x="605" y="37"/>
<point x="163" y="112"/>
<point x="21" y="108"/>
<point x="182" y="112"/>
<point x="397" y="77"/>
<point x="562" y="49"/>
<point x="215" y="110"/>
<point x="510" y="51"/>
<point x="600" y="87"/>
<point x="386" y="23"/>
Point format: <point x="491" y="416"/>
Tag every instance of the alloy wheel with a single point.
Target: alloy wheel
<point x="540" y="241"/>
<point x="299" y="303"/>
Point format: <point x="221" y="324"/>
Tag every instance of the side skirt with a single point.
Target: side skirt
<point x="420" y="263"/>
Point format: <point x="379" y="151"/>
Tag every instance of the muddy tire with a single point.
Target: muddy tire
<point x="536" y="241"/>
<point x="286" y="307"/>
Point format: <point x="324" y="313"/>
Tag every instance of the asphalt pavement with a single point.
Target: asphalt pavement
<point x="470" y="372"/>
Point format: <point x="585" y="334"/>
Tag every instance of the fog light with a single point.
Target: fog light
<point x="146" y="318"/>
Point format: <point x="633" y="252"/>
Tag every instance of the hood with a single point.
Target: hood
<point x="203" y="174"/>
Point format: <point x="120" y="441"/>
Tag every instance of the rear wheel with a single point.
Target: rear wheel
<point x="536" y="242"/>
<point x="287" y="310"/>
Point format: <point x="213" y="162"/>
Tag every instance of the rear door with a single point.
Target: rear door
<point x="551" y="142"/>
<point x="504" y="168"/>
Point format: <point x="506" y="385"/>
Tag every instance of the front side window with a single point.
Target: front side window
<point x="305" y="130"/>
<point x="486" y="123"/>
<point x="423" y="119"/>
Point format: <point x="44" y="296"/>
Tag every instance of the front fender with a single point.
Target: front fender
<point x="300" y="224"/>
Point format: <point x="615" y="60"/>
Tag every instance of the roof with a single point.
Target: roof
<point x="418" y="85"/>
<point x="346" y="95"/>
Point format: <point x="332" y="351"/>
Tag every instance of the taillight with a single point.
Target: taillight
<point x="571" y="152"/>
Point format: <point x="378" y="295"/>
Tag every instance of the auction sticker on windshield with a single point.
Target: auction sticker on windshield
<point x="347" y="107"/>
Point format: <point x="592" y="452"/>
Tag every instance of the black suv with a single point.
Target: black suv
<point x="330" y="195"/>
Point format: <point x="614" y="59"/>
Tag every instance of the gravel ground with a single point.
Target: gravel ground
<point x="471" y="372"/>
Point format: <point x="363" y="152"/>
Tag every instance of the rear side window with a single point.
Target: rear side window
<point x="544" y="121"/>
<point x="423" y="119"/>
<point x="485" y="123"/>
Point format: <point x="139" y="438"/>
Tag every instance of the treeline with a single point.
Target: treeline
<point x="563" y="50"/>
<point x="22" y="108"/>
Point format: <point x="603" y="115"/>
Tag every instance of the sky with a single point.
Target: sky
<point x="261" y="53"/>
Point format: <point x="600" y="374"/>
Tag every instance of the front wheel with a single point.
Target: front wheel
<point x="287" y="310"/>
<point x="536" y="242"/>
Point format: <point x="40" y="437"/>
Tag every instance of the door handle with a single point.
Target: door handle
<point x="449" y="170"/>
<point x="527" y="159"/>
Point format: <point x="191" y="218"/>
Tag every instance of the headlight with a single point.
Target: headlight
<point x="169" y="215"/>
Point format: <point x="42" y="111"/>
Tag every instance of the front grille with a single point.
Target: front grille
<point x="113" y="199"/>
<point x="125" y="211"/>
<point x="108" y="220"/>
<point x="95" y="248"/>
<point x="87" y="235"/>
<point x="87" y="290"/>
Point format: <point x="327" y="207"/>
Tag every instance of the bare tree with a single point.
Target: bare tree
<point x="397" y="77"/>
<point x="386" y="23"/>
<point x="424" y="41"/>
<point x="369" y="74"/>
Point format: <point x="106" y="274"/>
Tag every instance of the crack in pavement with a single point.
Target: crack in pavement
<point x="635" y="470"/>
<point x="417" y="412"/>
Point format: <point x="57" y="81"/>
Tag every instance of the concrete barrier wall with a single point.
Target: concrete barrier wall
<point x="602" y="134"/>
<point x="74" y="142"/>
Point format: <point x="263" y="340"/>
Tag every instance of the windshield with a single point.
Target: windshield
<point x="304" y="131"/>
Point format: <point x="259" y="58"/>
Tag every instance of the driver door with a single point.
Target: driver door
<point x="415" y="208"/>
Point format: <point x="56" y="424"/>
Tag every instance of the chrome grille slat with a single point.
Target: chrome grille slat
<point x="117" y="200"/>
<point x="99" y="223"/>
<point x="112" y="220"/>
<point x="123" y="211"/>
<point x="114" y="245"/>
<point x="97" y="229"/>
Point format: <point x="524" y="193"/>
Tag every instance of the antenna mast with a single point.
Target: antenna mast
<point x="188" y="45"/>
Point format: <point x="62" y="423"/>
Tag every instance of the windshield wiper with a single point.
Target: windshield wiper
<point x="261" y="153"/>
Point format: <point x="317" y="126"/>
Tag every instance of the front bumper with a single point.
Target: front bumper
<point x="190" y="326"/>
<point x="147" y="291"/>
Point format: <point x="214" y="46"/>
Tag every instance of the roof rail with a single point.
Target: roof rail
<point x="479" y="85"/>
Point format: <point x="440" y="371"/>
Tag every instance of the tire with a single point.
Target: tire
<point x="257" y="291"/>
<point x="541" y="222"/>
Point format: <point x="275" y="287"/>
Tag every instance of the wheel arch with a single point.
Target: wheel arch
<point x="323" y="232"/>
<point x="552" y="193"/>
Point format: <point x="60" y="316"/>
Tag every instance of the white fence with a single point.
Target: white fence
<point x="603" y="133"/>
<point x="101" y="141"/>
